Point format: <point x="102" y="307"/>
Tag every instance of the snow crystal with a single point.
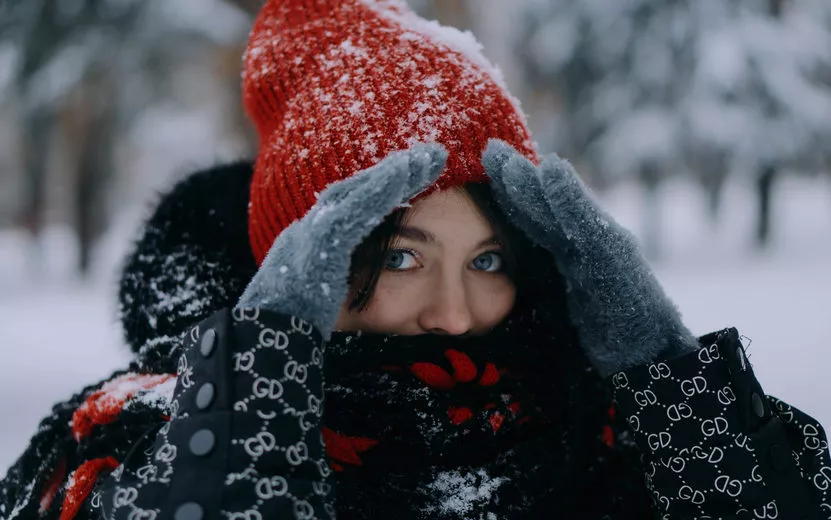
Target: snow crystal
<point x="325" y="288"/>
<point x="356" y="107"/>
<point x="156" y="342"/>
<point x="432" y="82"/>
<point x="371" y="148"/>
<point x="188" y="299"/>
<point x="24" y="498"/>
<point x="351" y="50"/>
<point x="458" y="493"/>
<point x="159" y="396"/>
<point x="129" y="384"/>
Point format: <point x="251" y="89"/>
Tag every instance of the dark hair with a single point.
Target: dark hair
<point x="369" y="258"/>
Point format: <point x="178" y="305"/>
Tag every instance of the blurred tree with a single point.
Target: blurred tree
<point x="87" y="67"/>
<point x="650" y="88"/>
<point x="617" y="71"/>
<point x="67" y="47"/>
<point x="66" y="50"/>
<point x="760" y="95"/>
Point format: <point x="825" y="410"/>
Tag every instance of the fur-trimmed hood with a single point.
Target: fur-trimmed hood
<point x="193" y="257"/>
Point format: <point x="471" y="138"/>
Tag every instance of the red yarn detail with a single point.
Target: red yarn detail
<point x="345" y="449"/>
<point x="464" y="369"/>
<point x="53" y="483"/>
<point x="496" y="421"/>
<point x="608" y="436"/>
<point x="81" y="483"/>
<point x="459" y="414"/>
<point x="515" y="408"/>
<point x="433" y="376"/>
<point x="611" y="412"/>
<point x="490" y="376"/>
<point x="104" y="406"/>
<point x="489" y="406"/>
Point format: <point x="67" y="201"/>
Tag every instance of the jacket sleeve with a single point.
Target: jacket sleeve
<point x="715" y="446"/>
<point x="243" y="439"/>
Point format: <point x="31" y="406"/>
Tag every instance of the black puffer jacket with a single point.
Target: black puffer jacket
<point x="198" y="428"/>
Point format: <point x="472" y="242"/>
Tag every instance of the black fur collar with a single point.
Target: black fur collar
<point x="193" y="257"/>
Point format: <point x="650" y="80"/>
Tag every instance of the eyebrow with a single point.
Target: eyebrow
<point x="421" y="235"/>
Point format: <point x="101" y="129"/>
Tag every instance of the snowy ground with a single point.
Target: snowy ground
<point x="57" y="334"/>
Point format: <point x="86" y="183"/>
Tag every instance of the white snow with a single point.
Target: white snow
<point x="58" y="334"/>
<point x="457" y="493"/>
<point x="160" y="396"/>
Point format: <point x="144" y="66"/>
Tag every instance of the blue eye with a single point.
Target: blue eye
<point x="490" y="262"/>
<point x="400" y="260"/>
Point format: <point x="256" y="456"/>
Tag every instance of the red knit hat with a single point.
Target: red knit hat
<point x="334" y="86"/>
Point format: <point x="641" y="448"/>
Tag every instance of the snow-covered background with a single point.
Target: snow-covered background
<point x="675" y="107"/>
<point x="59" y="334"/>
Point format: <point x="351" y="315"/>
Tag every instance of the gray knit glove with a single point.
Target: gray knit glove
<point x="622" y="316"/>
<point x="305" y="273"/>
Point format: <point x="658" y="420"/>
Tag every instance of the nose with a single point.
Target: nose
<point x="446" y="310"/>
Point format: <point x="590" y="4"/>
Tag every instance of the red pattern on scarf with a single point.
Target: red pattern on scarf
<point x="345" y="449"/>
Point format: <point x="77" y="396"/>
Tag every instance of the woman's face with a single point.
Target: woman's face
<point x="444" y="274"/>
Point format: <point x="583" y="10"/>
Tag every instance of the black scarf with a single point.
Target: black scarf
<point x="507" y="424"/>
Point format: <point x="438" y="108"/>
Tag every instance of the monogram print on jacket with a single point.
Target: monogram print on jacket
<point x="263" y="388"/>
<point x="701" y="460"/>
<point x="277" y="393"/>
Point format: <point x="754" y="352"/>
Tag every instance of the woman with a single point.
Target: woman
<point x="368" y="326"/>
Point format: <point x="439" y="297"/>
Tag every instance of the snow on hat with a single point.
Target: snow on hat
<point x="333" y="86"/>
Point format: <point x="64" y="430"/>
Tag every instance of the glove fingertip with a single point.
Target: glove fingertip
<point x="426" y="161"/>
<point x="495" y="157"/>
<point x="556" y="166"/>
<point x="428" y="158"/>
<point x="501" y="161"/>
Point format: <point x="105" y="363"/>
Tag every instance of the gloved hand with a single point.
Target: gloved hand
<point x="305" y="273"/>
<point x="622" y="316"/>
